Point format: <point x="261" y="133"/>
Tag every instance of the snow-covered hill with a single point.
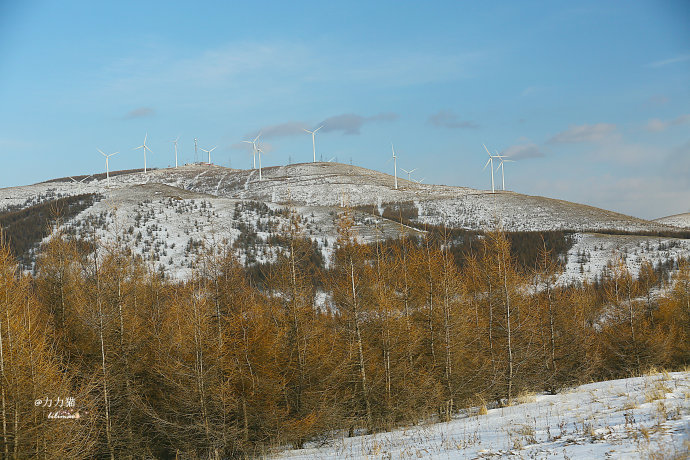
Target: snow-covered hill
<point x="593" y="252"/>
<point x="167" y="215"/>
<point x="171" y="227"/>
<point x="678" y="220"/>
<point x="334" y="184"/>
<point x="642" y="417"/>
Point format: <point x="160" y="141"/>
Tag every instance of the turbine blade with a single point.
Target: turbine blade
<point x="487" y="150"/>
<point x="487" y="163"/>
<point x="101" y="151"/>
<point x="318" y="128"/>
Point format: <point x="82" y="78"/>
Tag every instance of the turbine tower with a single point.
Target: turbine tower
<point x="503" y="159"/>
<point x="107" y="168"/>
<point x="209" y="153"/>
<point x="409" y="172"/>
<point x="313" y="140"/>
<point x="490" y="160"/>
<point x="145" y="148"/>
<point x="259" y="152"/>
<point x="175" y="142"/>
<point x="196" y="153"/>
<point x="395" y="166"/>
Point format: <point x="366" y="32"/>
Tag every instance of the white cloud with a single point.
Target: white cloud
<point x="678" y="162"/>
<point x="523" y="151"/>
<point x="656" y="125"/>
<point x="140" y="112"/>
<point x="665" y="62"/>
<point x="350" y="123"/>
<point x="276" y="67"/>
<point x="657" y="100"/>
<point x="289" y="128"/>
<point x="584" y="133"/>
<point x="448" y="119"/>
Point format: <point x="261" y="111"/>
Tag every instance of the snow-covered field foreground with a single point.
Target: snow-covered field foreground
<point x="642" y="417"/>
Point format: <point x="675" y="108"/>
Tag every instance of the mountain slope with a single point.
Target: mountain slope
<point x="169" y="215"/>
<point x="677" y="220"/>
<point x="333" y="184"/>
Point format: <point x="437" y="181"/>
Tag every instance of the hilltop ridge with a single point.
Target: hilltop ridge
<point x="335" y="185"/>
<point x="168" y="215"/>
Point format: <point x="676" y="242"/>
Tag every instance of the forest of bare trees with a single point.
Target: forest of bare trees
<point x="101" y="357"/>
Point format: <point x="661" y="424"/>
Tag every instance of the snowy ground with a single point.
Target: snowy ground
<point x="592" y="252"/>
<point x="678" y="220"/>
<point x="172" y="226"/>
<point x="334" y="184"/>
<point x="642" y="417"/>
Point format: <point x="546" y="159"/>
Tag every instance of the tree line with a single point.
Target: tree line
<point x="389" y="334"/>
<point x="24" y="228"/>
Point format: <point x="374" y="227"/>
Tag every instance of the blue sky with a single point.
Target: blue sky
<point x="592" y="99"/>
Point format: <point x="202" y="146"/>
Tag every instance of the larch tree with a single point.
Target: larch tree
<point x="45" y="412"/>
<point x="350" y="286"/>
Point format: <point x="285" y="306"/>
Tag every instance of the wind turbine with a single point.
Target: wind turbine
<point x="254" y="149"/>
<point x="503" y="159"/>
<point x="175" y="142"/>
<point x="313" y="139"/>
<point x="209" y="153"/>
<point x="395" y="166"/>
<point x="409" y="172"/>
<point x="145" y="147"/>
<point x="81" y="182"/>
<point x="490" y="160"/>
<point x="107" y="169"/>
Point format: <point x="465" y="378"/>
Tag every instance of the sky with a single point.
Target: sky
<point x="590" y="98"/>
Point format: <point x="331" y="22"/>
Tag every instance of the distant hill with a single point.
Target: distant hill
<point x="168" y="215"/>
<point x="678" y="220"/>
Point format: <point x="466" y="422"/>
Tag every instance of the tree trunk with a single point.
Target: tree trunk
<point x="509" y="345"/>
<point x="431" y="305"/>
<point x="360" y="352"/>
<point x="4" y="402"/>
<point x="106" y="400"/>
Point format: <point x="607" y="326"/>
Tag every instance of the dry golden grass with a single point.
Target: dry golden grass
<point x="526" y="397"/>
